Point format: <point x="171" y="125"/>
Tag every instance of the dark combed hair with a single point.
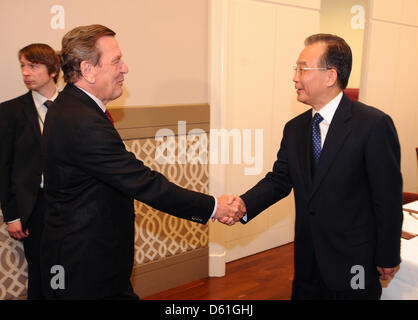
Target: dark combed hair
<point x="79" y="45"/>
<point x="337" y="55"/>
<point x="43" y="54"/>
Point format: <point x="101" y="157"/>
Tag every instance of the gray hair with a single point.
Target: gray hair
<point x="79" y="45"/>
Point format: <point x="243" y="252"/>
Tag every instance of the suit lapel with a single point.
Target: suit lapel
<point x="304" y="150"/>
<point x="337" y="133"/>
<point x="32" y="115"/>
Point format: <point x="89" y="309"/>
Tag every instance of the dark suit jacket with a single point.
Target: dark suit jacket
<point x="90" y="183"/>
<point x="20" y="158"/>
<point x="350" y="212"/>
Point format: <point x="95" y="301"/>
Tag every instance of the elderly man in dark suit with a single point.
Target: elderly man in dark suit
<point x="91" y="179"/>
<point x="21" y="125"/>
<point x="342" y="159"/>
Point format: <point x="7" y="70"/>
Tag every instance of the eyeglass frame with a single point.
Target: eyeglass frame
<point x="299" y="70"/>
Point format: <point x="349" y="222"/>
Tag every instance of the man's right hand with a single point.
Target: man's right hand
<point x="15" y="230"/>
<point x="230" y="209"/>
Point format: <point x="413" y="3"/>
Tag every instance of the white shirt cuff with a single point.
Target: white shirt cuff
<point x="18" y="219"/>
<point x="215" y="208"/>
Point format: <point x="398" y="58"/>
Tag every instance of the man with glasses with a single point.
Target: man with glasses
<point x="342" y="159"/>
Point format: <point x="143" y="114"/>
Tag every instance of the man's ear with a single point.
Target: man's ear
<point x="88" y="71"/>
<point x="332" y="77"/>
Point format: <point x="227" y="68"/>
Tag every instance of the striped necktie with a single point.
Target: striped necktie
<point x="316" y="137"/>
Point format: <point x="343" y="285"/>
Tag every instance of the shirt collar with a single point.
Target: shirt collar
<point x="39" y="99"/>
<point x="328" y="111"/>
<point x="97" y="100"/>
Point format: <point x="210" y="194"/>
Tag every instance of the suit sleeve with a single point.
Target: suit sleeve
<point x="385" y="179"/>
<point x="273" y="187"/>
<point x="7" y="199"/>
<point x="102" y="154"/>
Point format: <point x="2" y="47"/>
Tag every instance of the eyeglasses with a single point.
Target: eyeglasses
<point x="300" y="70"/>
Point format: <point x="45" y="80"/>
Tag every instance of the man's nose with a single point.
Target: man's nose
<point x="25" y="71"/>
<point x="124" y="68"/>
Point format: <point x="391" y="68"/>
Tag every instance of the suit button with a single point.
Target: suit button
<point x="312" y="213"/>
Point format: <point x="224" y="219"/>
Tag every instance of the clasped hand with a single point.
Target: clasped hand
<point x="230" y="209"/>
<point x="15" y="230"/>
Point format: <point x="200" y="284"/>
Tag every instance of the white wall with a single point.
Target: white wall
<point x="164" y="44"/>
<point x="390" y="69"/>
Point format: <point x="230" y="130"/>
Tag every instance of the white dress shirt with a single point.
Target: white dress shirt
<point x="39" y="101"/>
<point x="327" y="112"/>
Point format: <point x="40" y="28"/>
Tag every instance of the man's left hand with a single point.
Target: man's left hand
<point x="386" y="273"/>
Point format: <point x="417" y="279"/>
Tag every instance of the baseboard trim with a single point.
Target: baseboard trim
<point x="154" y="277"/>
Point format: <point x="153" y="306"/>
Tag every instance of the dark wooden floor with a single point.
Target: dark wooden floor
<point x="264" y="276"/>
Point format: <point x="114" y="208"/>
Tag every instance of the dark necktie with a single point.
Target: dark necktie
<point x="316" y="137"/>
<point x="48" y="103"/>
<point x="107" y="113"/>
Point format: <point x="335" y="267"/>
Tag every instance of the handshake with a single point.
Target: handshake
<point x="230" y="209"/>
